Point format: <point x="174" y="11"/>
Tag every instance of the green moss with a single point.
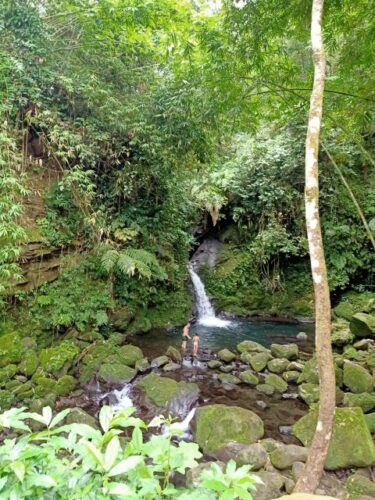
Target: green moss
<point x="276" y="382"/>
<point x="65" y="385"/>
<point x="351" y="442"/>
<point x="162" y="390"/>
<point x="6" y="400"/>
<point x="363" y="325"/>
<point x="7" y="373"/>
<point x="365" y="401"/>
<point x="10" y="349"/>
<point x="54" y="359"/>
<point x="216" y="425"/>
<point x="116" y="374"/>
<point x="354" y="302"/>
<point x="357" y="378"/>
<point x="130" y="354"/>
<point x="29" y="363"/>
<point x="44" y="386"/>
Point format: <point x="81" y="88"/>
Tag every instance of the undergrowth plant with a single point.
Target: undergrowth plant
<point x="77" y="461"/>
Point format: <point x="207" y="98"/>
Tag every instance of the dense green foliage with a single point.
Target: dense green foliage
<point x="79" y="461"/>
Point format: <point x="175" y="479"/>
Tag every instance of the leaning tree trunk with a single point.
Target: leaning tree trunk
<point x="311" y="475"/>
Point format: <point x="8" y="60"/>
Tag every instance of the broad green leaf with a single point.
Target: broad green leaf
<point x="19" y="469"/>
<point x="111" y="453"/>
<point x="126" y="465"/>
<point x="94" y="452"/>
<point x="105" y="417"/>
<point x="59" y="417"/>
<point x="47" y="415"/>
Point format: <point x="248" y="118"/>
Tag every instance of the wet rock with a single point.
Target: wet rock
<point x="163" y="390"/>
<point x="116" y="374"/>
<point x="226" y="355"/>
<point x="214" y="364"/>
<point x="226" y="368"/>
<point x="351" y="444"/>
<point x="357" y="379"/>
<point x="309" y="393"/>
<point x="171" y="367"/>
<point x="79" y="416"/>
<point x="265" y="389"/>
<point x="248" y="377"/>
<point x="230" y="423"/>
<point x="262" y="404"/>
<point x="365" y="401"/>
<point x="358" y="484"/>
<point x="370" y="421"/>
<point x="271" y="487"/>
<point x="250" y="346"/>
<point x="254" y="454"/>
<point x="285" y="430"/>
<point x="290" y="376"/>
<point x="289" y="351"/>
<point x="259" y="361"/>
<point x="302" y="336"/>
<point x="229" y="451"/>
<point x="286" y="454"/>
<point x="289" y="395"/>
<point x="276" y="382"/>
<point x="295" y="366"/>
<point x="130" y="354"/>
<point x="142" y="365"/>
<point x="174" y="354"/>
<point x="277" y="365"/>
<point x="227" y="378"/>
<point x="159" y="361"/>
<point x="362" y="324"/>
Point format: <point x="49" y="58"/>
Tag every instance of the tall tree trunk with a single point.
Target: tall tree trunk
<point x="311" y="475"/>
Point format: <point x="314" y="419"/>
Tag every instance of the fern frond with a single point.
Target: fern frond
<point x="109" y="260"/>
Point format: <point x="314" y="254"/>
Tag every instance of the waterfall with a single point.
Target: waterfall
<point x="206" y="313"/>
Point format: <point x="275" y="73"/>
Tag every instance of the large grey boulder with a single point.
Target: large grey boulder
<point x="286" y="454"/>
<point x="254" y="454"/>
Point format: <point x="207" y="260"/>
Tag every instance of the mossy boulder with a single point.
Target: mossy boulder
<point x="258" y="361"/>
<point x="227" y="378"/>
<point x="354" y="302"/>
<point x="250" y="346"/>
<point x="140" y="324"/>
<point x="276" y="382"/>
<point x="364" y="400"/>
<point x="310" y="373"/>
<point x="248" y="377"/>
<point x="116" y="374"/>
<point x="291" y="376"/>
<point x="174" y="354"/>
<point x="351" y="443"/>
<point x="309" y="393"/>
<point x="6" y="400"/>
<point x="288" y="351"/>
<point x="285" y="455"/>
<point x="370" y="421"/>
<point x="159" y="361"/>
<point x="359" y="486"/>
<point x="214" y="364"/>
<point x="341" y="334"/>
<point x="11" y="349"/>
<point x="163" y="390"/>
<point x="7" y="373"/>
<point x="357" y="379"/>
<point x="130" y="354"/>
<point x="277" y="365"/>
<point x="142" y="365"/>
<point x="79" y="416"/>
<point x="216" y="425"/>
<point x="65" y="385"/>
<point x="171" y="367"/>
<point x="266" y="389"/>
<point x="121" y="318"/>
<point x="59" y="359"/>
<point x="363" y="325"/>
<point x="253" y="454"/>
<point x="29" y="363"/>
<point x="44" y="386"/>
<point x="226" y="355"/>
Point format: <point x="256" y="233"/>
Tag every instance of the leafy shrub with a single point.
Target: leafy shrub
<point x="77" y="461"/>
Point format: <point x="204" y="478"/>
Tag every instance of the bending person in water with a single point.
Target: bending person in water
<point x="195" y="344"/>
<point x="185" y="336"/>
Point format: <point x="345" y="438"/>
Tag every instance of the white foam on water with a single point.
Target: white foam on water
<point x="123" y="398"/>
<point x="214" y="322"/>
<point x="182" y="426"/>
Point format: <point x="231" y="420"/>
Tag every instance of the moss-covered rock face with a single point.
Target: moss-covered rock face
<point x="266" y="389"/>
<point x="162" y="391"/>
<point x="227" y="378"/>
<point x="116" y="374"/>
<point x="288" y="351"/>
<point x="364" y="400"/>
<point x="360" y="486"/>
<point x="174" y="354"/>
<point x="11" y="349"/>
<point x="250" y="346"/>
<point x="65" y="385"/>
<point x="6" y="400"/>
<point x="362" y="324"/>
<point x="370" y="421"/>
<point x="351" y="442"/>
<point x="341" y="334"/>
<point x="7" y="373"/>
<point x="277" y="365"/>
<point x="357" y="379"/>
<point x="216" y="425"/>
<point x="258" y="361"/>
<point x="44" y="386"/>
<point x="249" y="378"/>
<point x="285" y="455"/>
<point x="226" y="355"/>
<point x="309" y="393"/>
<point x="60" y="358"/>
<point x="130" y="354"/>
<point x="276" y="382"/>
<point x="29" y="363"/>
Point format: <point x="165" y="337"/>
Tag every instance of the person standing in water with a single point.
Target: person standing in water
<point x="185" y="336"/>
<point x="195" y="344"/>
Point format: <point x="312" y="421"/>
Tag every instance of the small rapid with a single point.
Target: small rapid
<point x="206" y="313"/>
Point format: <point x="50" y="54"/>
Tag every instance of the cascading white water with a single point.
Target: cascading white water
<point x="206" y="313"/>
